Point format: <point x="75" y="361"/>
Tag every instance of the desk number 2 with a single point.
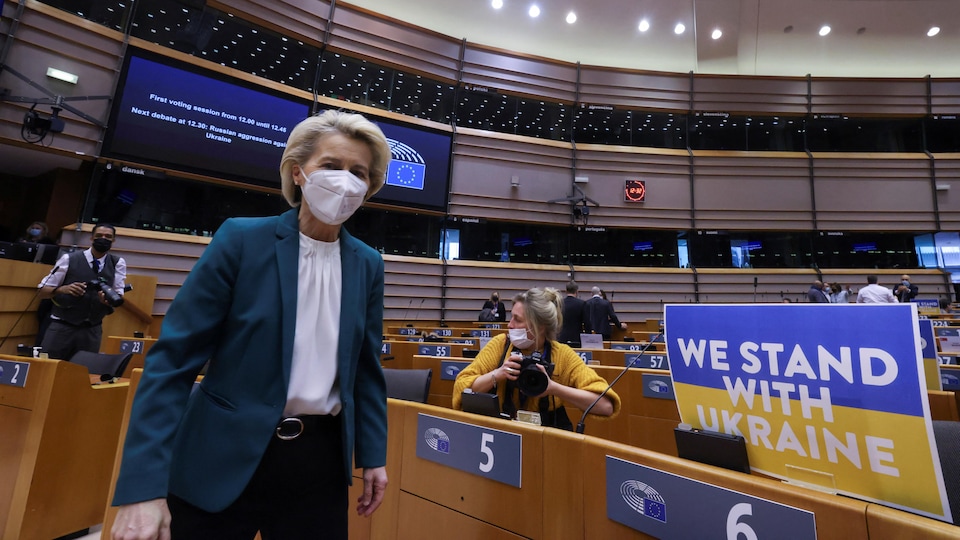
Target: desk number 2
<point x="485" y="440"/>
<point x="16" y="371"/>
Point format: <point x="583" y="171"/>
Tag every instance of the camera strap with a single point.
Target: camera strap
<point x="511" y="403"/>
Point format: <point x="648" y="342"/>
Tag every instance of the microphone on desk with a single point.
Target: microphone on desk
<point x="30" y="303"/>
<point x="580" y="424"/>
<point x="407" y="311"/>
<point x="417" y="315"/>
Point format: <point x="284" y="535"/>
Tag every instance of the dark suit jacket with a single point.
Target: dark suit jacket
<point x="598" y="315"/>
<point x="498" y="307"/>
<point x="238" y="308"/>
<point x="817" y="296"/>
<point x="572" y="320"/>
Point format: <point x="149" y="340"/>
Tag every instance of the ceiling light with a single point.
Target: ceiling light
<point x="497" y="4"/>
<point x="717" y="33"/>
<point x="60" y="75"/>
<point x="679" y="28"/>
<point x="934" y="30"/>
<point x="534" y="11"/>
<point x="824" y="30"/>
<point x="571" y="17"/>
<point x="644" y="25"/>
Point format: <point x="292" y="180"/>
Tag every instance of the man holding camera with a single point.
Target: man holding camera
<point x="85" y="287"/>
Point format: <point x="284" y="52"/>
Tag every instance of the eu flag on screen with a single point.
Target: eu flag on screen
<point x="655" y="509"/>
<point x="406" y="174"/>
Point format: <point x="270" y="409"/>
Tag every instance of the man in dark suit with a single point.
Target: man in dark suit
<point x="816" y="294"/>
<point x="598" y="315"/>
<point x="572" y="317"/>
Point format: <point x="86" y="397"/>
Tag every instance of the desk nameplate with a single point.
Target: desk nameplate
<point x="449" y="369"/>
<point x="490" y="453"/>
<point x="666" y="505"/>
<point x="434" y="350"/>
<point x="14" y="373"/>
<point x="134" y="346"/>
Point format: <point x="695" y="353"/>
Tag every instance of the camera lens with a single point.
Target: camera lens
<point x="111" y="296"/>
<point x="532" y="381"/>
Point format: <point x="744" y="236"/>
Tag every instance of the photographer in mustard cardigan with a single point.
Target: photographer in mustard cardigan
<point x="510" y="368"/>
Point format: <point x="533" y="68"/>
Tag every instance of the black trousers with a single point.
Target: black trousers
<point x="298" y="491"/>
<point x="62" y="341"/>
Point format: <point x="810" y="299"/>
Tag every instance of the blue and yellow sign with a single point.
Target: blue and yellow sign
<point x="833" y="395"/>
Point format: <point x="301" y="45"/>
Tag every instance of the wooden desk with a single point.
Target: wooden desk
<point x="60" y="435"/>
<point x="404" y="351"/>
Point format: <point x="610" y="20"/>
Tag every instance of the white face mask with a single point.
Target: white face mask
<point x="518" y="336"/>
<point x="333" y="196"/>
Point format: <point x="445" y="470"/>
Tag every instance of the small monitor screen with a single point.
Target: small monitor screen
<point x="418" y="174"/>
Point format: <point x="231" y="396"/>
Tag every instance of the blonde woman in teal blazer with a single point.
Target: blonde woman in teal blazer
<point x="238" y="309"/>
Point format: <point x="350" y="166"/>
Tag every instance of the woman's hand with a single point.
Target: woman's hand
<point x="510" y="369"/>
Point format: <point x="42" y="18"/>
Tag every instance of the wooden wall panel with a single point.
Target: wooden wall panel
<point x="757" y="95"/>
<point x="766" y="191"/>
<point x="887" y="192"/>
<point x="306" y="19"/>
<point x="470" y="283"/>
<point x="667" y="176"/>
<point x="944" y="96"/>
<point x="947" y="171"/>
<point x="633" y="89"/>
<point x="412" y="288"/>
<point x="522" y="74"/>
<point x="482" y="169"/>
<point x="392" y="42"/>
<point x="868" y="96"/>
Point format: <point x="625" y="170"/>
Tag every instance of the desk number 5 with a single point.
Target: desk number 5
<point x="485" y="440"/>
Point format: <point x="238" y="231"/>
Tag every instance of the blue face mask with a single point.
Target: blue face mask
<point x="35" y="231"/>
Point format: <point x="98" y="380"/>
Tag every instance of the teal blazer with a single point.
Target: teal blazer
<point x="237" y="308"/>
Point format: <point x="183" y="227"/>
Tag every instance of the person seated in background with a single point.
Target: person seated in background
<point x="37" y="233"/>
<point x="875" y="294"/>
<point x="496" y="307"/>
<point x="945" y="307"/>
<point x="534" y="320"/>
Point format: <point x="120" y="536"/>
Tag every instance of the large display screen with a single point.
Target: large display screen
<point x="176" y="115"/>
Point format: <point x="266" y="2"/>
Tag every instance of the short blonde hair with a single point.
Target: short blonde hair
<point x="543" y="311"/>
<point x="303" y="140"/>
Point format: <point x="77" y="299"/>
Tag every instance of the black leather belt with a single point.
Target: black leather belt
<point x="292" y="427"/>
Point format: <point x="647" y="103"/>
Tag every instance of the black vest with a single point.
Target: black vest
<point x="86" y="310"/>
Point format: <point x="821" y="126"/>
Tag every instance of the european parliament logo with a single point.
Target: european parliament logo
<point x="659" y="387"/>
<point x="644" y="500"/>
<point x="407" y="168"/>
<point x="437" y="440"/>
<point x="451" y="371"/>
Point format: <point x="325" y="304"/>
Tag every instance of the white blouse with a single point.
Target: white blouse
<point x="313" y="385"/>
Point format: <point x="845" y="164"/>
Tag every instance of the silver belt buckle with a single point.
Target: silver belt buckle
<point x="284" y="430"/>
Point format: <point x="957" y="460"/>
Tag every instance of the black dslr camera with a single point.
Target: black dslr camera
<point x="114" y="299"/>
<point x="531" y="380"/>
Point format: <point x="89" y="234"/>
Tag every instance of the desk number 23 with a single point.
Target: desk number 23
<point x="486" y="439"/>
